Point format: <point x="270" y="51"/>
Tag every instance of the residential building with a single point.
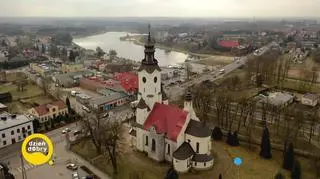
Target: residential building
<point x="166" y="132"/>
<point x="129" y="81"/>
<point x="3" y="108"/>
<point x="308" y="44"/>
<point x="49" y="111"/>
<point x="118" y="67"/>
<point x="40" y="68"/>
<point x="14" y="128"/>
<point x="310" y="99"/>
<point x="72" y="67"/>
<point x="277" y="98"/>
<point x="99" y="65"/>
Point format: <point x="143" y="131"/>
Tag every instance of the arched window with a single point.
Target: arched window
<point x="153" y="145"/>
<point x="168" y="150"/>
<point x="197" y="147"/>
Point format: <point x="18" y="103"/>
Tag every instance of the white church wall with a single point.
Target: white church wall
<point x="204" y="143"/>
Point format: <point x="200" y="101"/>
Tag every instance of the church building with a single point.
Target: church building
<point x="163" y="131"/>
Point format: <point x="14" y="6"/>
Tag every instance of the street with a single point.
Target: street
<point x="174" y="92"/>
<point x="10" y="155"/>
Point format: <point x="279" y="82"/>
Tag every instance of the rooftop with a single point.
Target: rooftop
<point x="44" y="109"/>
<point x="2" y="105"/>
<point x="104" y="99"/>
<point x="12" y="120"/>
<point x="167" y="120"/>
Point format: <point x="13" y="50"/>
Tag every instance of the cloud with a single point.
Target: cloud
<point x="185" y="8"/>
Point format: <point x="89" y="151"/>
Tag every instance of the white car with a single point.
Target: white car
<point x="75" y="175"/>
<point x="66" y="130"/>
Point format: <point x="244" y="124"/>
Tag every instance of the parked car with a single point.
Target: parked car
<point x="66" y="130"/>
<point x="76" y="132"/>
<point x="75" y="175"/>
<point x="72" y="166"/>
<point x="86" y="109"/>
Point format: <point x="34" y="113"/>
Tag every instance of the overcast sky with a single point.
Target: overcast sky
<point x="166" y="8"/>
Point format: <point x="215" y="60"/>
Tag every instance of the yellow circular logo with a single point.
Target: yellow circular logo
<point x="37" y="149"/>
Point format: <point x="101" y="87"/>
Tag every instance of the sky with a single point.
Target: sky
<point x="160" y="8"/>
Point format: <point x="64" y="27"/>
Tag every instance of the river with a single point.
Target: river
<point x="127" y="49"/>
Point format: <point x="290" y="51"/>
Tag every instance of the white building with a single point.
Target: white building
<point x="165" y="132"/>
<point x="14" y="128"/>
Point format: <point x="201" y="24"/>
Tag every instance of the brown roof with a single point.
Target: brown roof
<point x="44" y="109"/>
<point x="197" y="129"/>
<point x="142" y="104"/>
<point x="183" y="152"/>
<point x="202" y="158"/>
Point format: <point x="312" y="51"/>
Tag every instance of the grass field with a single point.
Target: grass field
<point x="253" y="167"/>
<point x="23" y="100"/>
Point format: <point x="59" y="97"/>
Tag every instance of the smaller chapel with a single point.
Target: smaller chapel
<point x="163" y="131"/>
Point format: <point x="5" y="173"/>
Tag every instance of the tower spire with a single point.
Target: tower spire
<point x="149" y="36"/>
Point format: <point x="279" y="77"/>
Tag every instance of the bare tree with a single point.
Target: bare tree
<point x="45" y="84"/>
<point x="188" y="70"/>
<point x="202" y="101"/>
<point x="21" y="81"/>
<point x="111" y="142"/>
<point x="93" y="126"/>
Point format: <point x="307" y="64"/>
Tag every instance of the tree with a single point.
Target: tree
<point x="220" y="176"/>
<point x="188" y="69"/>
<point x="111" y="136"/>
<point x="68" y="104"/>
<point x="265" y="151"/>
<point x="288" y="160"/>
<point x="72" y="57"/>
<point x="43" y="49"/>
<point x="296" y="170"/>
<point x="203" y="99"/>
<point x="64" y="52"/>
<point x="54" y="52"/>
<point x="172" y="174"/>
<point x="112" y="54"/>
<point x="99" y="52"/>
<point x="229" y="138"/>
<point x="279" y="176"/>
<point x="21" y="81"/>
<point x="217" y="134"/>
<point x="36" y="125"/>
<point x="235" y="139"/>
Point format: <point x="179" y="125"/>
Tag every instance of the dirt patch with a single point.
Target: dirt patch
<point x="215" y="60"/>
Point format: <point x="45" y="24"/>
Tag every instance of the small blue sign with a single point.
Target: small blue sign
<point x="237" y="161"/>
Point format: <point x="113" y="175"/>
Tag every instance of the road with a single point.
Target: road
<point x="174" y="92"/>
<point x="10" y="156"/>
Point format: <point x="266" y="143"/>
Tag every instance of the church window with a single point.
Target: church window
<point x="195" y="163"/>
<point x="168" y="150"/>
<point x="155" y="79"/>
<point x="144" y="79"/>
<point x="204" y="164"/>
<point x="146" y="140"/>
<point x="197" y="149"/>
<point x="153" y="147"/>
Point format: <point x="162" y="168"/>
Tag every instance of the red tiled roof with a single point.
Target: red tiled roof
<point x="43" y="109"/>
<point x="228" y="43"/>
<point x="128" y="80"/>
<point x="166" y="119"/>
